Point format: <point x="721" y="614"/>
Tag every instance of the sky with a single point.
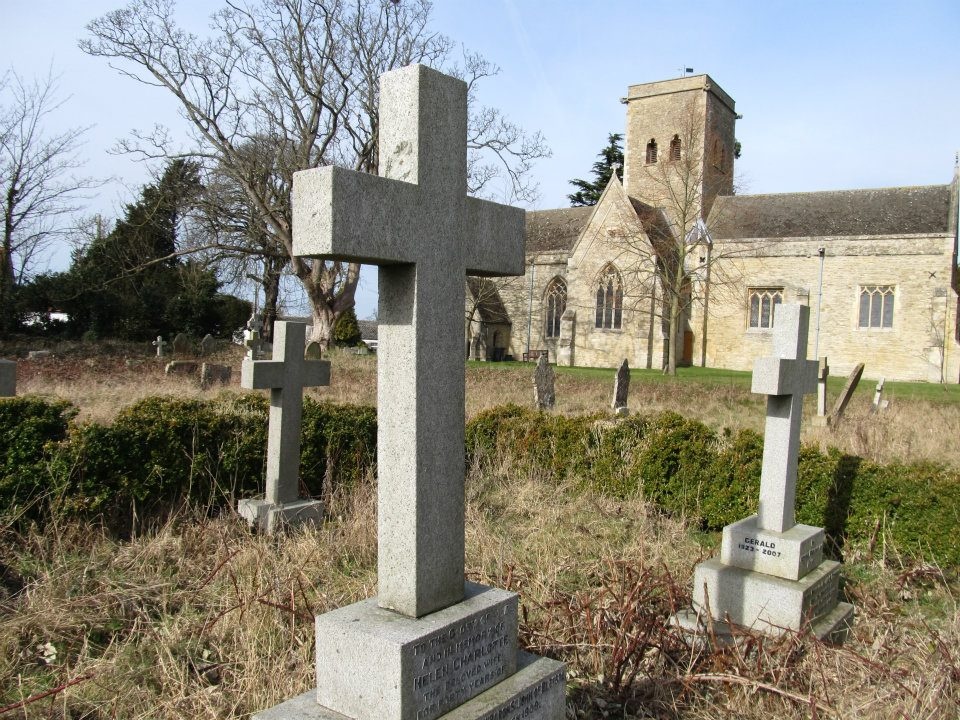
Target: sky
<point x="834" y="94"/>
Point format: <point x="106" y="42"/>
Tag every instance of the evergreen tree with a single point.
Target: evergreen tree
<point x="589" y="192"/>
<point x="346" y="332"/>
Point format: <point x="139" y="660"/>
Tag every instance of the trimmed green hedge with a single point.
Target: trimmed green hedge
<point x="161" y="452"/>
<point x="686" y="469"/>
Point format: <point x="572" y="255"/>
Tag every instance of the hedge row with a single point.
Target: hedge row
<point x="161" y="452"/>
<point x="164" y="451"/>
<point x="685" y="468"/>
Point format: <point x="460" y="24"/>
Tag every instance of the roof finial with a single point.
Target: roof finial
<point x="614" y="167"/>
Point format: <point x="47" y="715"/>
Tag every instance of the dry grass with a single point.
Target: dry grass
<point x="100" y="385"/>
<point x="203" y="619"/>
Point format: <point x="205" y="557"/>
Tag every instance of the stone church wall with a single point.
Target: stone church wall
<point x="919" y="268"/>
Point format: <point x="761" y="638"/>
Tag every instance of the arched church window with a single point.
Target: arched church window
<point x="651" y="151"/>
<point x="555" y="303"/>
<point x="675" y="148"/>
<point x="609" y="314"/>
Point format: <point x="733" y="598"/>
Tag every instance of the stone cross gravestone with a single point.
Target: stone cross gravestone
<point x="253" y="343"/>
<point x="429" y="643"/>
<point x="878" y="402"/>
<point x="286" y="375"/>
<point x="824" y="373"/>
<point x="544" y="395"/>
<point x="771" y="575"/>
<point x="159" y="344"/>
<point x="621" y="388"/>
<point x="8" y="378"/>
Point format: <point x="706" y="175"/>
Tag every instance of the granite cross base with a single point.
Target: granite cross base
<point x="8" y="378"/>
<point x="271" y="518"/>
<point x="460" y="662"/>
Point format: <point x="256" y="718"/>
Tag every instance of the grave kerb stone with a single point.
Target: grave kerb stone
<point x="286" y="376"/>
<point x="784" y="378"/>
<point x="417" y="224"/>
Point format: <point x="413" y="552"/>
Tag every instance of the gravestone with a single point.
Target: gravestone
<point x="771" y="575"/>
<point x="181" y="367"/>
<point x="478" y="348"/>
<point x="314" y="351"/>
<point x="544" y="396"/>
<point x="8" y="378"/>
<point x="181" y="344"/>
<point x="430" y="644"/>
<point x="621" y="388"/>
<point x="285" y="376"/>
<point x="253" y="343"/>
<point x="211" y="373"/>
<point x="844" y="398"/>
<point x="208" y="346"/>
<point x="878" y="402"/>
<point x="159" y="344"/>
<point x="565" y="345"/>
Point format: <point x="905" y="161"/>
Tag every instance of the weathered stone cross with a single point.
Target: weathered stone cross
<point x="159" y="344"/>
<point x="417" y="223"/>
<point x="285" y="376"/>
<point x="785" y="378"/>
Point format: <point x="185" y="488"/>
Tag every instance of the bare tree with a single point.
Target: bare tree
<point x="37" y="180"/>
<point x="301" y="77"/>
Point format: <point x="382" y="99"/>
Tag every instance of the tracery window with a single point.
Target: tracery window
<point x="609" y="314"/>
<point x="762" y="303"/>
<point x="876" y="306"/>
<point x="651" y="151"/>
<point x="555" y="303"/>
<point x="675" y="148"/>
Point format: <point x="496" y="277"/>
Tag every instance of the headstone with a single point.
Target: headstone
<point x="314" y="351"/>
<point x="181" y="367"/>
<point x="211" y="373"/>
<point x="38" y="354"/>
<point x="8" y="378"/>
<point x="253" y="343"/>
<point x="544" y="396"/>
<point x="208" y="346"/>
<point x="159" y="344"/>
<point x="621" y="388"/>
<point x="844" y="399"/>
<point x="878" y="402"/>
<point x="430" y="644"/>
<point x="771" y="575"/>
<point x="566" y="343"/>
<point x="478" y="348"/>
<point x="824" y="373"/>
<point x="181" y="344"/>
<point x="286" y="375"/>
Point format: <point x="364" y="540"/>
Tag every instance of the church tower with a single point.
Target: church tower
<point x="679" y="146"/>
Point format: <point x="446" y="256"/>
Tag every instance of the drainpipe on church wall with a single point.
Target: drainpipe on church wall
<point x="533" y="272"/>
<point x="706" y="307"/>
<point x="822" y="251"/>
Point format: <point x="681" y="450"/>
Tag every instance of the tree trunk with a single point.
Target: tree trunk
<point x="271" y="294"/>
<point x="671" y="368"/>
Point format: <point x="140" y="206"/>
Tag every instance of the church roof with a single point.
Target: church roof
<point x="556" y="230"/>
<point x="883" y="211"/>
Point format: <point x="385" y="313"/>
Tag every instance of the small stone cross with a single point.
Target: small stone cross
<point x="286" y="375"/>
<point x="416" y="222"/>
<point x="253" y="344"/>
<point x="785" y="379"/>
<point x="159" y="344"/>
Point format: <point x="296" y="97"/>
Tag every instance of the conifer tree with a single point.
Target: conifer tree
<point x="589" y="192"/>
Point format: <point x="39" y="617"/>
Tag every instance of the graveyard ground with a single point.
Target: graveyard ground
<point x="203" y="619"/>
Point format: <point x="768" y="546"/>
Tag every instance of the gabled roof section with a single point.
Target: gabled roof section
<point x="487" y="297"/>
<point x="882" y="211"/>
<point x="555" y="230"/>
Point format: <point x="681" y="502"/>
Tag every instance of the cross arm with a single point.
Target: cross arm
<point x="494" y="238"/>
<point x="784" y="376"/>
<point x="316" y="372"/>
<point x="353" y="216"/>
<point x="261" y="374"/>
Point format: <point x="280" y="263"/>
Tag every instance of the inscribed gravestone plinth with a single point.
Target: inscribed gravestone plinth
<point x="285" y="376"/>
<point x="429" y="644"/>
<point x="771" y="575"/>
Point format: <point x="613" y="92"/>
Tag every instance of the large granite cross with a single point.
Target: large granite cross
<point x="417" y="223"/>
<point x="784" y="378"/>
<point x="285" y="376"/>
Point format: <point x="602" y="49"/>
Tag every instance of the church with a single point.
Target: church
<point x="671" y="263"/>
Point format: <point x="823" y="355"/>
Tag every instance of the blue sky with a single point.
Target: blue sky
<point x="833" y="95"/>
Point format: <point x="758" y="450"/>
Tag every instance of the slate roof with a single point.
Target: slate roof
<point x="883" y="211"/>
<point x="555" y="230"/>
<point x="368" y="329"/>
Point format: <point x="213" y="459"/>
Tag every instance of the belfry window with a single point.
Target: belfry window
<point x="651" y="151"/>
<point x="609" y="299"/>
<point x="762" y="304"/>
<point x="876" y="306"/>
<point x="555" y="303"/>
<point x="675" y="148"/>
